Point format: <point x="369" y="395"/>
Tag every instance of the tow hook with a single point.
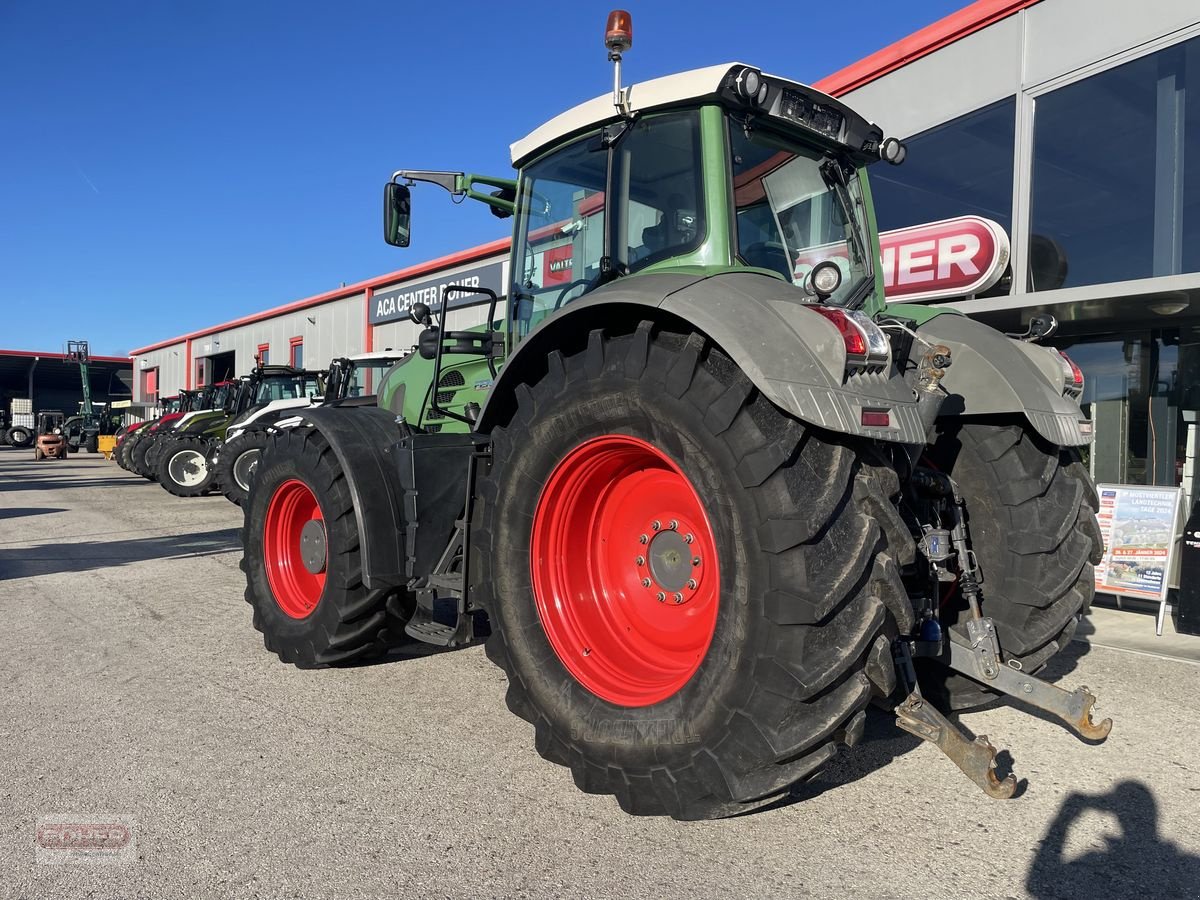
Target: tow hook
<point x="977" y="758"/>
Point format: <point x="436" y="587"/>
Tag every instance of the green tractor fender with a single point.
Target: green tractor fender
<point x="993" y="374"/>
<point x="796" y="357"/>
<point x="793" y="355"/>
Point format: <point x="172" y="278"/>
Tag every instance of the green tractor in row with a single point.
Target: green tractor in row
<point x="709" y="503"/>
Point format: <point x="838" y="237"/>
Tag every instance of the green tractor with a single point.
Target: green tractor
<point x="709" y="502"/>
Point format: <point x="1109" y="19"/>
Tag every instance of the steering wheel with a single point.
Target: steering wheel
<point x="562" y="295"/>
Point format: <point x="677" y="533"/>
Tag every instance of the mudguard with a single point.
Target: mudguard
<point x="793" y="355"/>
<point x="993" y="374"/>
<point x="362" y="438"/>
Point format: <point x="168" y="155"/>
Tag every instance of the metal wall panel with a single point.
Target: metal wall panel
<point x="1064" y="35"/>
<point x="171" y="364"/>
<point x="961" y="77"/>
<point x="331" y="329"/>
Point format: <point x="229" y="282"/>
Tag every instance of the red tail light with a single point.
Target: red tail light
<point x="1072" y="374"/>
<point x="852" y="336"/>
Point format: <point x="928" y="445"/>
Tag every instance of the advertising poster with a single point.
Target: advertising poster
<point x="1138" y="525"/>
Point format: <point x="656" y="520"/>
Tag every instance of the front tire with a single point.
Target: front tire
<point x="182" y="468"/>
<point x="1031" y="514"/>
<point x="238" y="463"/>
<point x="721" y="702"/>
<point x="312" y="609"/>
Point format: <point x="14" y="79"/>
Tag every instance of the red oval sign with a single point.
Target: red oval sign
<point x="951" y="258"/>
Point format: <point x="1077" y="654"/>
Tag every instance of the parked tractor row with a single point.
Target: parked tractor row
<point x="209" y="440"/>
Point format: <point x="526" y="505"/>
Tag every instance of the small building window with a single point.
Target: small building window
<point x="202" y="371"/>
<point x="297" y="352"/>
<point x="150" y="385"/>
<point x="264" y="354"/>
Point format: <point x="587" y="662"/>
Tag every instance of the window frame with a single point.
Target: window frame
<point x="293" y="343"/>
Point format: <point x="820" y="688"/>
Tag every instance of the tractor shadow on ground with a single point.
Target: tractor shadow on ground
<point x="84" y="556"/>
<point x="1128" y="858"/>
<point x="20" y="512"/>
<point x="25" y="483"/>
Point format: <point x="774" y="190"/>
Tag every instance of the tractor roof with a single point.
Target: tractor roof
<point x="379" y="355"/>
<point x="671" y="90"/>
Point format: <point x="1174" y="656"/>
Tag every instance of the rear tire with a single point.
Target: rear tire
<point x="182" y="468"/>
<point x="239" y="463"/>
<point x="1031" y="514"/>
<point x="802" y="578"/>
<point x="308" y="619"/>
<point x="21" y="437"/>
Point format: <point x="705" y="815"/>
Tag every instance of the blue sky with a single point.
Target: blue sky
<point x="166" y="165"/>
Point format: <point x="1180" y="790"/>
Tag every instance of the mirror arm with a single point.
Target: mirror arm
<point x="462" y="184"/>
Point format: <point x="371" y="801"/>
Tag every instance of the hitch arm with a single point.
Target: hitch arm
<point x="1072" y="708"/>
<point x="976" y="759"/>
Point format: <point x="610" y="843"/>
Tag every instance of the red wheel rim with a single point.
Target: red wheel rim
<point x="296" y="588"/>
<point x="624" y="570"/>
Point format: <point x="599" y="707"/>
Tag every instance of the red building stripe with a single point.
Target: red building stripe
<point x="954" y="27"/>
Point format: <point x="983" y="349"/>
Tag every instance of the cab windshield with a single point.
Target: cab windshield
<point x="364" y="377"/>
<point x="288" y="387"/>
<point x="797" y="207"/>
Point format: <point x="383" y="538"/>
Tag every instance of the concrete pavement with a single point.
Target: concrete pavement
<point x="134" y="687"/>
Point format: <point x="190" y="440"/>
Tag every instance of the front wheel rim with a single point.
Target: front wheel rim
<point x="188" y="468"/>
<point x="624" y="570"/>
<point x="243" y="468"/>
<point x="293" y="517"/>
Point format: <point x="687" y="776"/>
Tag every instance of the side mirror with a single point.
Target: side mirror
<point x="418" y="314"/>
<point x="397" y="213"/>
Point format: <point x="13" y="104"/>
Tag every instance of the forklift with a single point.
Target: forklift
<point x="50" y="442"/>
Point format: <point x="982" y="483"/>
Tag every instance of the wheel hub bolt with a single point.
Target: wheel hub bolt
<point x="688" y="538"/>
<point x="656" y="525"/>
<point x="678" y="597"/>
<point x="641" y="560"/>
<point x="672" y="524"/>
<point x="695" y="560"/>
<point x="643" y="539"/>
<point x="691" y="584"/>
<point x="662" y="597"/>
<point x="645" y="582"/>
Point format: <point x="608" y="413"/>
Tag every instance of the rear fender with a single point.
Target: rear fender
<point x="991" y="374"/>
<point x="793" y="355"/>
<point x="362" y="438"/>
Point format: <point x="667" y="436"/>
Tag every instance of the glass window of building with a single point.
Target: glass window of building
<point x="1111" y="199"/>
<point x="1142" y="387"/>
<point x="964" y="167"/>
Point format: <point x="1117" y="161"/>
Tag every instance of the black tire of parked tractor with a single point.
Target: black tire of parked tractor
<point x="1031" y="514"/>
<point x="92" y="444"/>
<point x="347" y="622"/>
<point x="119" y="453"/>
<point x="809" y="587"/>
<point x="234" y="480"/>
<point x="71" y="448"/>
<point x="182" y="459"/>
<point x="21" y="437"/>
<point x="137" y="454"/>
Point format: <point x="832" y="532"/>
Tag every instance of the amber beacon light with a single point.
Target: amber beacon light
<point x="618" y="35"/>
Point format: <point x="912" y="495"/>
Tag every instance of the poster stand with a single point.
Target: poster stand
<point x="1141" y="526"/>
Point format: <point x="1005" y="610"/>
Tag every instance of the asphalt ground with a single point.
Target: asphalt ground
<point x="135" y="690"/>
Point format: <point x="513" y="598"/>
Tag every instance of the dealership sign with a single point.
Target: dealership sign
<point x="952" y="258"/>
<point x="394" y="303"/>
<point x="939" y="260"/>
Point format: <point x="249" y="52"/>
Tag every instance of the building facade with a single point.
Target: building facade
<point x="1073" y="124"/>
